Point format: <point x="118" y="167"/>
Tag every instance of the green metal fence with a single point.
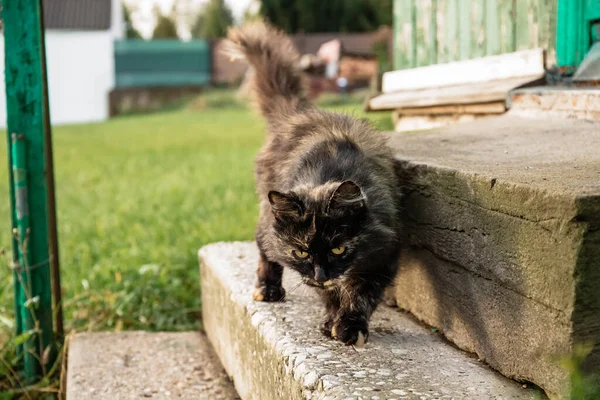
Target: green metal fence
<point x="160" y="63"/>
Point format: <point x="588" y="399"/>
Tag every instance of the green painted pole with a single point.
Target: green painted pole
<point x="17" y="286"/>
<point x="52" y="221"/>
<point x="26" y="110"/>
<point x="21" y="233"/>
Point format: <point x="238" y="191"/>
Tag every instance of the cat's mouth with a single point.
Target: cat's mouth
<point x="330" y="284"/>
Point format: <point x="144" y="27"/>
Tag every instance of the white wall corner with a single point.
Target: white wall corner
<point x="117" y="19"/>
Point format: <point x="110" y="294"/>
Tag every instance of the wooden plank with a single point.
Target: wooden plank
<point x="451" y="42"/>
<point x="507" y="26"/>
<point x="413" y="26"/>
<point x="496" y="107"/>
<point x="492" y="25"/>
<point x="504" y="66"/>
<point x="403" y="39"/>
<point x="441" y="26"/>
<point x="482" y="92"/>
<point x="536" y="26"/>
<point x="523" y="19"/>
<point x="464" y="14"/>
<point x="543" y="22"/>
<point x="423" y="29"/>
<point x="433" y="44"/>
<point x="478" y="32"/>
<point x="547" y="40"/>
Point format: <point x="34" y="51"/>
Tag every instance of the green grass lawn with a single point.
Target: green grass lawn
<point x="137" y="196"/>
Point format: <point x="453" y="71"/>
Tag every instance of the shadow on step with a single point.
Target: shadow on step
<point x="483" y="273"/>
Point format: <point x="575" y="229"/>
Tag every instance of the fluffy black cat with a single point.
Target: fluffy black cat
<point x="329" y="206"/>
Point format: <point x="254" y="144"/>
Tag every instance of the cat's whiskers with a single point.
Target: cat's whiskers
<point x="293" y="288"/>
<point x="304" y="289"/>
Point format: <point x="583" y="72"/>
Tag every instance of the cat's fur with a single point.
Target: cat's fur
<point x="324" y="180"/>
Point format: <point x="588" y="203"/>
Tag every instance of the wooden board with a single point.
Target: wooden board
<point x="404" y="40"/>
<point x="525" y="63"/>
<point x="469" y="93"/>
<point x="496" y="107"/>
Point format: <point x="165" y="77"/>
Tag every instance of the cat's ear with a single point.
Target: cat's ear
<point x="347" y="197"/>
<point x="285" y="204"/>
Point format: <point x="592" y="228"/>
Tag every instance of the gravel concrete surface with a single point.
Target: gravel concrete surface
<point x="140" y="365"/>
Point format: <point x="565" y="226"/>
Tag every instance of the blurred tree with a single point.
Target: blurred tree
<point x="213" y="20"/>
<point x="381" y="48"/>
<point x="328" y="15"/>
<point x="130" y="31"/>
<point x="252" y="12"/>
<point x="282" y="13"/>
<point x="384" y="11"/>
<point x="165" y="27"/>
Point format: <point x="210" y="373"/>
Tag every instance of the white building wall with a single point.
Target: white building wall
<point x="117" y="20"/>
<point x="80" y="75"/>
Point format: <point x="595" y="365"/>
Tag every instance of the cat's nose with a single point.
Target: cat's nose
<point x="320" y="275"/>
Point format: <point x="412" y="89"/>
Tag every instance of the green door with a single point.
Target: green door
<point x="577" y="29"/>
<point x="593" y="18"/>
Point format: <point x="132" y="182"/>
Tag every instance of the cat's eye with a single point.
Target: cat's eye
<point x="300" y="254"/>
<point x="338" y="250"/>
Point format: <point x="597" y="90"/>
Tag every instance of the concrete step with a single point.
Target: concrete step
<point x="502" y="253"/>
<point x="563" y="102"/>
<point x="275" y="350"/>
<point x="140" y="365"/>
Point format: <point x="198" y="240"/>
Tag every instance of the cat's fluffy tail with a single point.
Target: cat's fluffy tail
<point x="276" y="79"/>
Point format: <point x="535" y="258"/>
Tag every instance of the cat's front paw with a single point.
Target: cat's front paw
<point x="269" y="293"/>
<point x="350" y="332"/>
<point x="326" y="326"/>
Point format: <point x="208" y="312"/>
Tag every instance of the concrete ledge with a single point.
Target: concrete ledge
<point x="503" y="241"/>
<point x="275" y="351"/>
<point x="563" y="102"/>
<point x="140" y="365"/>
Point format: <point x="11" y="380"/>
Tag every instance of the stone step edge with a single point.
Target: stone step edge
<point x="268" y="356"/>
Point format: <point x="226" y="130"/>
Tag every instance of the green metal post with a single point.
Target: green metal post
<point x="26" y="109"/>
<point x="52" y="222"/>
<point x="21" y="232"/>
<point x="15" y="241"/>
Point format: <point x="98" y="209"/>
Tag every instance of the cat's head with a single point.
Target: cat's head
<point x="319" y="230"/>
